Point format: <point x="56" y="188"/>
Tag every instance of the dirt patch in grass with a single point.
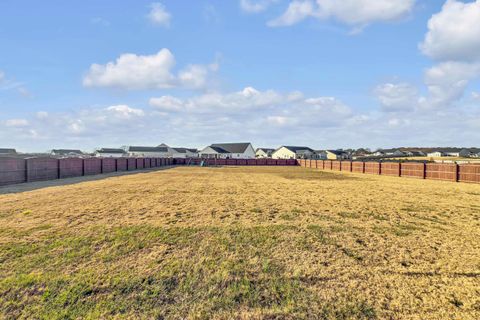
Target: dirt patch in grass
<point x="243" y="242"/>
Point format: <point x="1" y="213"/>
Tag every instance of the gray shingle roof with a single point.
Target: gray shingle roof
<point x="147" y="149"/>
<point x="184" y="150"/>
<point x="266" y="150"/>
<point x="110" y="150"/>
<point x="232" y="147"/>
<point x="7" y="151"/>
<point x="297" y="149"/>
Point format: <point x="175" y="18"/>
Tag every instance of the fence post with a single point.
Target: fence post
<point x="351" y="166"/>
<point x="363" y="167"/>
<point x="101" y="165"/>
<point x="399" y="169"/>
<point x="380" y="168"/>
<point x="424" y="170"/>
<point x="83" y="167"/>
<point x="340" y="165"/>
<point x="456" y="178"/>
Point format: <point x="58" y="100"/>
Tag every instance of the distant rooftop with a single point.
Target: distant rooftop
<point x="111" y="150"/>
<point x="146" y="149"/>
<point x="231" y="147"/>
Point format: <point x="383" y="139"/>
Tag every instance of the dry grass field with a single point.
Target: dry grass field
<point x="242" y="243"/>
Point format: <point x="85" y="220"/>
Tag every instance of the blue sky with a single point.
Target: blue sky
<point x="373" y="73"/>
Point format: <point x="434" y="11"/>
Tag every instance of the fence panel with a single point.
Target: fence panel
<point x="140" y="163"/>
<point x="390" y="169"/>
<point x="92" y="166"/>
<point x="469" y="173"/>
<point x="131" y="164"/>
<point x="291" y="162"/>
<point x="413" y="170"/>
<point x="271" y="162"/>
<point x="70" y="167"/>
<point x="122" y="164"/>
<point x="372" y="167"/>
<point x="358" y="167"/>
<point x="231" y="162"/>
<point x="12" y="171"/>
<point x="241" y="162"/>
<point x="42" y="169"/>
<point x="109" y="165"/>
<point x="441" y="171"/>
<point x="281" y="162"/>
<point x="147" y="163"/>
<point x="346" y="166"/>
<point x="336" y="165"/>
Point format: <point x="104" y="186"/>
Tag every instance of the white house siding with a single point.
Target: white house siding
<point x="261" y="154"/>
<point x="283" y="153"/>
<point x="249" y="153"/>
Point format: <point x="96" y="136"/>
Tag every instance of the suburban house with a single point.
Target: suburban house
<point x="184" y="153"/>
<point x="229" y="151"/>
<point x="7" y="152"/>
<point x="110" y="153"/>
<point x="293" y="152"/>
<point x="264" y="152"/>
<point x="332" y="154"/>
<point x="139" y="151"/>
<point x="66" y="153"/>
<point x="436" y="154"/>
<point x="361" y="153"/>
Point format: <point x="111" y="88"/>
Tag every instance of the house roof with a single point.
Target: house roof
<point x="218" y="149"/>
<point x="232" y="147"/>
<point x="296" y="149"/>
<point x="111" y="150"/>
<point x="147" y="149"/>
<point x="184" y="150"/>
<point x="66" y="151"/>
<point x="7" y="151"/>
<point x="266" y="150"/>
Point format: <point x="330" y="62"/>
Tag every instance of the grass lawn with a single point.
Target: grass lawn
<point x="244" y="243"/>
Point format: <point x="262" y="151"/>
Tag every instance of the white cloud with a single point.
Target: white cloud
<point x="2" y="76"/>
<point x="476" y="96"/>
<point x="125" y="112"/>
<point x="131" y="71"/>
<point x="255" y="6"/>
<point x="248" y="98"/>
<point x="159" y="15"/>
<point x="42" y="115"/>
<point x="356" y="13"/>
<point x="447" y="81"/>
<point x="454" y="33"/>
<point x="15" y="123"/>
<point x="167" y="103"/>
<point x="396" y="97"/>
<point x="296" y="12"/>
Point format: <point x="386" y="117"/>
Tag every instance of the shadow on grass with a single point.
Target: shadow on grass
<point x="30" y="186"/>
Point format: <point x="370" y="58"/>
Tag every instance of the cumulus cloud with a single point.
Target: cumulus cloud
<point x="16" y="123"/>
<point x="159" y="15"/>
<point x="134" y="72"/>
<point x="255" y="6"/>
<point x="447" y="81"/>
<point x="454" y="33"/>
<point x="356" y="13"/>
<point x="397" y="97"/>
<point x="125" y="112"/>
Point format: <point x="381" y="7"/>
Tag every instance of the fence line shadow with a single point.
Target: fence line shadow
<point x="31" y="186"/>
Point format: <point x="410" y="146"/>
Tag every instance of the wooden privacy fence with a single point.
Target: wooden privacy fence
<point x="236" y="162"/>
<point x="435" y="171"/>
<point x="15" y="170"/>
